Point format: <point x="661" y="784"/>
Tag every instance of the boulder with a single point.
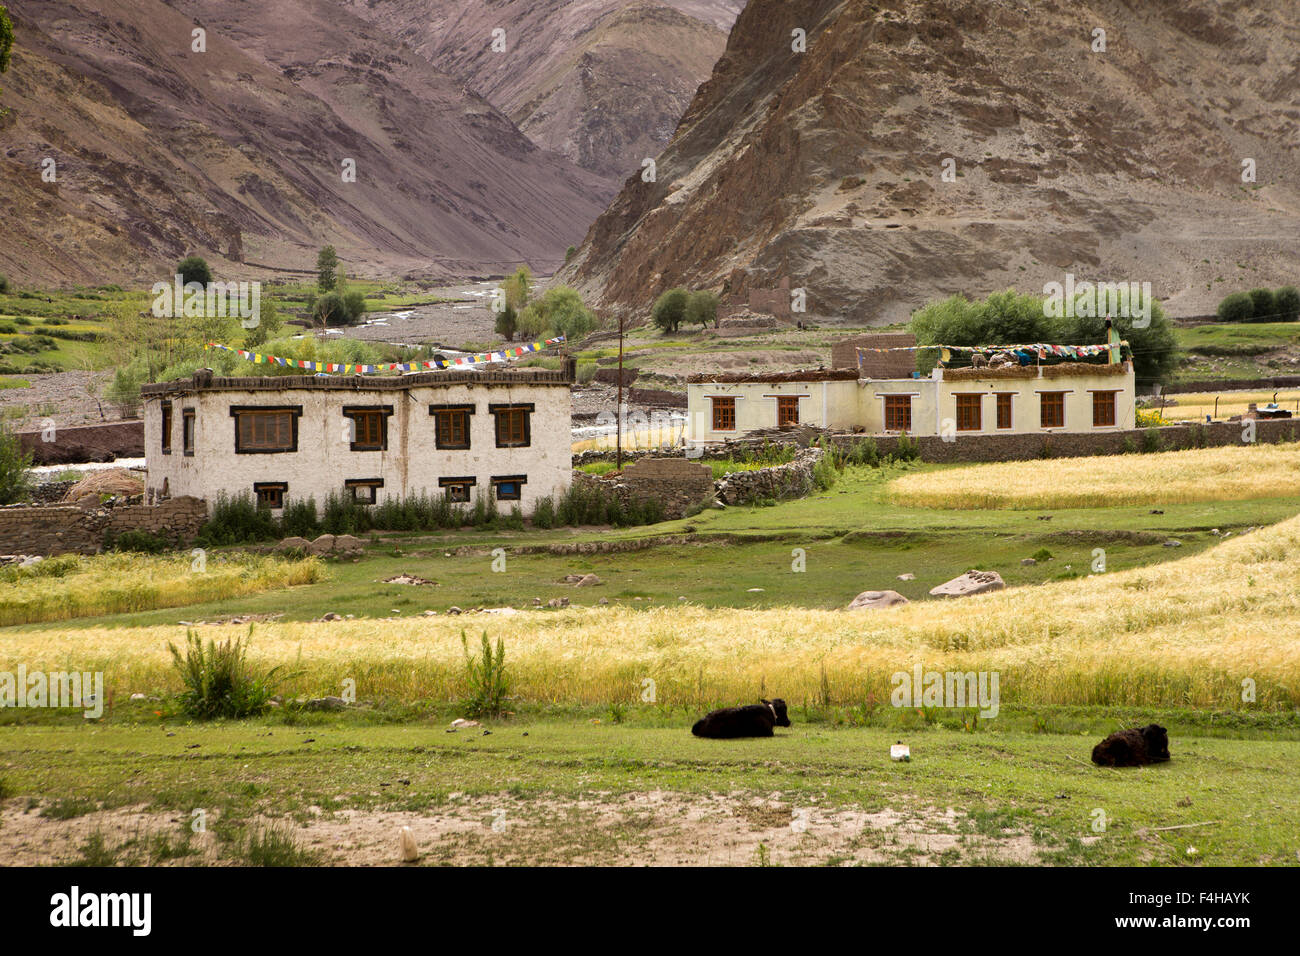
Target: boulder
<point x="972" y="582"/>
<point x="587" y="581"/>
<point x="322" y="545"/>
<point x="346" y="542"/>
<point x="874" y="599"/>
<point x="558" y="602"/>
<point x="907" y="576"/>
<point x="326" y="703"/>
<point x="293" y="544"/>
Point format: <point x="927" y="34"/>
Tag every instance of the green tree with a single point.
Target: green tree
<point x="269" y="323"/>
<point x="518" y="288"/>
<point x="1237" y="307"/>
<point x="1287" y="302"/>
<point x="14" y="463"/>
<point x="559" y="311"/>
<point x="327" y="264"/>
<point x="330" y="309"/>
<point x="507" y="322"/>
<point x="701" y="309"/>
<point x="669" y="310"/>
<point x="194" y="269"/>
<point x="1263" y="305"/>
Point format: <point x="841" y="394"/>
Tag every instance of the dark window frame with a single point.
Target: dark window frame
<point x="355" y="411"/>
<point x="1056" y="404"/>
<point x="1010" y="406"/>
<point x="1110" y="397"/>
<point x="167" y="428"/>
<point x="965" y="409"/>
<point x="439" y="440"/>
<point x="293" y="411"/>
<point x="188" y="426"/>
<point x="281" y="488"/>
<point x="527" y="408"/>
<point x="723" y="409"/>
<point x="891" y="414"/>
<point x="783" y="404"/>
<point x="374" y="484"/>
<point x="499" y="480"/>
<point x="464" y="482"/>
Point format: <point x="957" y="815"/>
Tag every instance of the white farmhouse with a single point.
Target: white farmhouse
<point x="503" y="435"/>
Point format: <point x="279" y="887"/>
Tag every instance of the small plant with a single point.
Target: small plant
<point x="487" y="679"/>
<point x="96" y="852"/>
<point x="15" y="481"/>
<point x="1151" y="440"/>
<point x="1042" y="554"/>
<point x="274" y="846"/>
<point x="219" y="681"/>
<point x="137" y="541"/>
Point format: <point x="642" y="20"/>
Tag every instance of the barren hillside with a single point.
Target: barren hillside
<point x="602" y="82"/>
<point x="238" y="151"/>
<point x="826" y="166"/>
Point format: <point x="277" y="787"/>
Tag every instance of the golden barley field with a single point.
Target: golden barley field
<point x="1196" y="405"/>
<point x="70" y="586"/>
<point x="1183" y="633"/>
<point x="1232" y="473"/>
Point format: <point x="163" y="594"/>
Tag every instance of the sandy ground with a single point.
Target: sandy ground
<point x="467" y="320"/>
<point x="64" y="396"/>
<point x="654" y="828"/>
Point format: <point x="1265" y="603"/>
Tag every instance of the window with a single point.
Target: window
<point x="898" y="413"/>
<point x="787" y="410"/>
<point x="364" y="490"/>
<point x="270" y="494"/>
<point x="451" y="425"/>
<point x="512" y="425"/>
<point x="968" y="412"/>
<point x="187" y="431"/>
<point x="724" y="414"/>
<point x="1103" y="409"/>
<point x="265" y="431"/>
<point x="458" y="489"/>
<point x="1052" y="405"/>
<point x="369" y="426"/>
<point x="1004" y="409"/>
<point x="166" y="428"/>
<point x="509" y="487"/>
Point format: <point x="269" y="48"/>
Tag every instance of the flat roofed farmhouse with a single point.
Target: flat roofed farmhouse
<point x="1017" y="399"/>
<point x="498" y="434"/>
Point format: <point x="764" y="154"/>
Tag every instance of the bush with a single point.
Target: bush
<point x="15" y="476"/>
<point x="194" y="269"/>
<point x="701" y="309"/>
<point x="1263" y="305"/>
<point x="559" y="311"/>
<point x="137" y="541"/>
<point x="1237" y="307"/>
<point x="218" y="680"/>
<point x="507" y="323"/>
<point x="1286" y="302"/>
<point x="124" y="390"/>
<point x="486" y="676"/>
<point x="237" y="520"/>
<point x="1152" y="441"/>
<point x="334" y="309"/>
<point x="669" y="310"/>
<point x="298" y="519"/>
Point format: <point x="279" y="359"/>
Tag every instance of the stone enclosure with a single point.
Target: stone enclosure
<point x="70" y="529"/>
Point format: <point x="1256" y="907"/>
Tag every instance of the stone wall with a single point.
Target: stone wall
<point x="85" y="443"/>
<point x="63" y="529"/>
<point x="677" y="484"/>
<point x="844" y="354"/>
<point x="791" y="480"/>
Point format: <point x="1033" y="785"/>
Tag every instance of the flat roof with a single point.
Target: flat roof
<point x="355" y="383"/>
<point x="807" y="375"/>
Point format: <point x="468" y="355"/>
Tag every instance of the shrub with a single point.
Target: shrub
<point x="907" y="449"/>
<point x="701" y="309"/>
<point x="544" y="512"/>
<point x="124" y="390"/>
<point x="507" y="322"/>
<point x="299" y="519"/>
<point x="559" y="311"/>
<point x="1237" y="307"/>
<point x="1286" y="302"/>
<point x="237" y="520"/>
<point x="218" y="679"/>
<point x="137" y="541"/>
<point x="15" y="465"/>
<point x="487" y="679"/>
<point x="194" y="269"/>
<point x="1263" y="305"/>
<point x="1152" y="440"/>
<point x="569" y="253"/>
<point x="669" y="310"/>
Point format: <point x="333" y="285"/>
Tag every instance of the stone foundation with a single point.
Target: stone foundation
<point x="67" y="529"/>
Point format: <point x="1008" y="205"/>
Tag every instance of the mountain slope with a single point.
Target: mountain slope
<point x="238" y="150"/>
<point x="603" y="82"/>
<point x="826" y="166"/>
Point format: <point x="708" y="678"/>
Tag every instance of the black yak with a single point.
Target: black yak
<point x="752" y="720"/>
<point x="1135" y="747"/>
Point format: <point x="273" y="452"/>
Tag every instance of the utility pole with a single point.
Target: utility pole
<point x="619" y="437"/>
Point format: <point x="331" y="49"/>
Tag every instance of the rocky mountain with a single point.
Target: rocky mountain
<point x="238" y="151"/>
<point x="924" y="147"/>
<point x="602" y="82"/>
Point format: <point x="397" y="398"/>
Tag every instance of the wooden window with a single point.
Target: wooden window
<point x="509" y="487"/>
<point x="898" y="413"/>
<point x="265" y="431"/>
<point x="1103" y="409"/>
<point x="364" y="490"/>
<point x="724" y="414"/>
<point x="1004" y="409"/>
<point x="270" y="494"/>
<point x="166" y="428"/>
<point x="1052" y="405"/>
<point x="787" y="410"/>
<point x="513" y="425"/>
<point x="451" y="425"/>
<point x="968" y="412"/>
<point x="187" y="431"/>
<point x="457" y="489"/>
<point x="369" y="426"/>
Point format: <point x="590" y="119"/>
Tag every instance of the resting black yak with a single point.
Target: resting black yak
<point x="1135" y="747"/>
<point x="752" y="720"/>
